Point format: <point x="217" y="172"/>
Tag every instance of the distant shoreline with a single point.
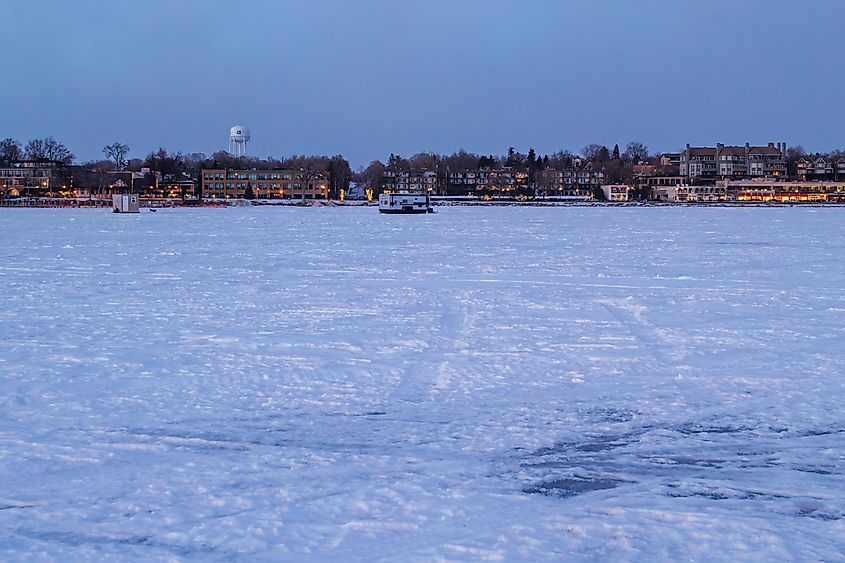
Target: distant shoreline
<point x="42" y="203"/>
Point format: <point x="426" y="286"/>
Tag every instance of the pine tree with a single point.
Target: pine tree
<point x="615" y="152"/>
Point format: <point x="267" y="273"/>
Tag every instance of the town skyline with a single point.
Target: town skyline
<point x="370" y="78"/>
<point x="42" y="172"/>
<point x="131" y="153"/>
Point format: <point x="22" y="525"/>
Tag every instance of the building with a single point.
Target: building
<point x="52" y="179"/>
<point x="615" y="192"/>
<point x="644" y="170"/>
<point x="645" y="179"/>
<point x="573" y="182"/>
<point x="34" y="179"/>
<point x="222" y="183"/>
<point x="173" y="186"/>
<point x="409" y="180"/>
<point x="670" y="159"/>
<point x="809" y="168"/>
<point x="702" y="164"/>
<point x="97" y="184"/>
<point x="785" y="192"/>
<point x="647" y="187"/>
<point x="488" y="182"/>
<point x="670" y="164"/>
<point x="682" y="193"/>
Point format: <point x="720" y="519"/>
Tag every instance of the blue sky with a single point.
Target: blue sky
<point x="364" y="78"/>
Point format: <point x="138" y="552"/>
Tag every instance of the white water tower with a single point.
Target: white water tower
<point x="238" y="138"/>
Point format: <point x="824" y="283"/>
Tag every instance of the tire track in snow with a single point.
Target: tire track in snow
<point x="652" y="338"/>
<point x="455" y="322"/>
<point x="430" y="373"/>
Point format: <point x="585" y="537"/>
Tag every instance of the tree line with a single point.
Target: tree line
<point x="616" y="163"/>
<point x="176" y="164"/>
<point x="38" y="150"/>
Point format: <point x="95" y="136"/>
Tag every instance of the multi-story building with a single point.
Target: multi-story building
<point x="179" y="185"/>
<point x="574" y="182"/>
<point x="409" y="180"/>
<point x="34" y="179"/>
<point x="820" y="168"/>
<point x="733" y="162"/>
<point x="499" y="182"/>
<point x="265" y="184"/>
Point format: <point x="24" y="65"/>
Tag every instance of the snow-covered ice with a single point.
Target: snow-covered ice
<point x="522" y="383"/>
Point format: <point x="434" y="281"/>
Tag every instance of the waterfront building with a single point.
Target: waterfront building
<point x="34" y="179"/>
<point x="173" y="186"/>
<point x="492" y="182"/>
<point x="265" y="184"/>
<point x="573" y="182"/>
<point x="683" y="193"/>
<point x="648" y="186"/>
<point x="50" y="179"/>
<point x="96" y="184"/>
<point x="820" y="168"/>
<point x="702" y="164"/>
<point x="785" y="192"/>
<point x="409" y="180"/>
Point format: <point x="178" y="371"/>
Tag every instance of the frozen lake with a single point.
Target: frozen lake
<point x="517" y="383"/>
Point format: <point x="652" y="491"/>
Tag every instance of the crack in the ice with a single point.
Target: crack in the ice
<point x="567" y="468"/>
<point x="76" y="539"/>
<point x="570" y="487"/>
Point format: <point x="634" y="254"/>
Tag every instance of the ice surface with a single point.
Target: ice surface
<point x="520" y="383"/>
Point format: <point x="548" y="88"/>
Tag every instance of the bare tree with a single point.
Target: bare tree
<point x="10" y="150"/>
<point x="306" y="177"/>
<point x="543" y="180"/>
<point x="35" y="150"/>
<point x="591" y="151"/>
<point x="561" y="160"/>
<point x="461" y="160"/>
<point x="48" y="149"/>
<point x="117" y="152"/>
<point x="56" y="151"/>
<point x="164" y="162"/>
<point x="635" y="152"/>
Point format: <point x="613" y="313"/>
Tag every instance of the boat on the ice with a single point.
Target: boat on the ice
<point x="404" y="201"/>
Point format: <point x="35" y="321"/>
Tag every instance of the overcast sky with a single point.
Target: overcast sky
<point x="364" y="78"/>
